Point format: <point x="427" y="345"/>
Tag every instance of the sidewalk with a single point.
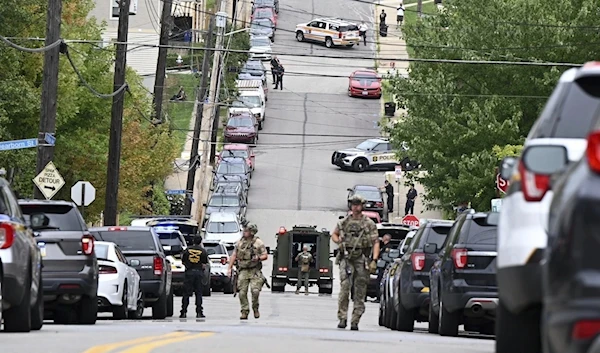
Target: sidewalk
<point x="389" y="50"/>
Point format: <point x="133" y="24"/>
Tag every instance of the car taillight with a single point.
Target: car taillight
<point x="459" y="257"/>
<point x="223" y="260"/>
<point x="158" y="266"/>
<point x="585" y="329"/>
<point x="418" y="261"/>
<point x="534" y="186"/>
<point x="323" y="270"/>
<point x="7" y="235"/>
<point x="378" y="204"/>
<point x="593" y="151"/>
<point x="340" y="35"/>
<point x="113" y="229"/>
<point x="102" y="269"/>
<point x="87" y="244"/>
<point x="283" y="269"/>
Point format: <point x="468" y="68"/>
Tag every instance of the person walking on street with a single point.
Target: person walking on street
<point x="411" y="195"/>
<point x="274" y="65"/>
<point x="279" y="77"/>
<point x="250" y="252"/>
<point x="385" y="246"/>
<point x="195" y="260"/>
<point x="399" y="15"/>
<point x="362" y="32"/>
<point x="304" y="260"/>
<point x="389" y="191"/>
<point x="357" y="238"/>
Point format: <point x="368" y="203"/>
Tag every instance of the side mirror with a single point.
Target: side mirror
<point x="224" y="123"/>
<point x="507" y="166"/>
<point x="268" y="250"/>
<point x="403" y="250"/>
<point x="203" y="230"/>
<point x="394" y="253"/>
<point x="381" y="263"/>
<point x="430" y="248"/>
<point x="341" y="217"/>
<point x="133" y="262"/>
<point x="205" y="205"/>
<point x="349" y="189"/>
<point x="545" y="160"/>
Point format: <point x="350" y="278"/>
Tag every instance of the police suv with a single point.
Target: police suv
<point x="372" y="154"/>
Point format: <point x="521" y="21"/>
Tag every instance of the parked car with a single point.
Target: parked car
<point x="570" y="317"/>
<point x="232" y="167"/>
<point x="364" y="83"/>
<point x="372" y="194"/>
<point x="265" y="3"/>
<point x="219" y="261"/>
<point x="241" y="128"/>
<point x="70" y="271"/>
<point x="260" y="48"/>
<point x="232" y="180"/>
<point x="264" y="12"/>
<point x="566" y="120"/>
<point x="187" y="226"/>
<point x="119" y="289"/>
<point x="239" y="150"/>
<point x="263" y="27"/>
<point x="252" y="102"/>
<point x="225" y="201"/>
<point x="398" y="233"/>
<point x="373" y="154"/>
<point x="146" y="255"/>
<point x="169" y="237"/>
<point x="254" y="68"/>
<point x="463" y="278"/>
<point x="409" y="297"/>
<point x="21" y="294"/>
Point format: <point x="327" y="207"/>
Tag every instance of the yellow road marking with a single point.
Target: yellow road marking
<point x="105" y="348"/>
<point x="148" y="347"/>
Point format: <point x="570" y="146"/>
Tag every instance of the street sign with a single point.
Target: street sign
<point x="398" y="172"/>
<point x="410" y="220"/>
<point x="49" y="181"/>
<point x="175" y="192"/>
<point x="83" y="193"/>
<point x="496" y="205"/>
<point x="502" y="184"/>
<point x="50" y="139"/>
<point x="18" y="144"/>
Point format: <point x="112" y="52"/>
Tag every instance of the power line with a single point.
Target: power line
<point x="31" y="50"/>
<point x="87" y="85"/>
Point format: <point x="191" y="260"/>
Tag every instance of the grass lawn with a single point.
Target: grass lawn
<point x="222" y="117"/>
<point x="180" y="113"/>
<point x="410" y="17"/>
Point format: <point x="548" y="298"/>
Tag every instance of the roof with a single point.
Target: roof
<point x="365" y="187"/>
<point x="223" y="217"/>
<point x="132" y="228"/>
<point x="45" y="202"/>
<point x="366" y="71"/>
<point x="392" y="225"/>
<point x="236" y="146"/>
<point x="233" y="160"/>
<point x="248" y="83"/>
<point x="379" y="140"/>
<point x="333" y="20"/>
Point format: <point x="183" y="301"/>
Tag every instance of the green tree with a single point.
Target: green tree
<point x="459" y="117"/>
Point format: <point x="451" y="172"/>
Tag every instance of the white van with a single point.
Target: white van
<point x="252" y="100"/>
<point x="223" y="226"/>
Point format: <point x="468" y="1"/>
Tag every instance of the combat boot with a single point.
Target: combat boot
<point x="306" y="292"/>
<point x="256" y="314"/>
<point x="200" y="315"/>
<point x="343" y="323"/>
<point x="244" y="316"/>
<point x="182" y="315"/>
<point x="354" y="327"/>
<point x="297" y="290"/>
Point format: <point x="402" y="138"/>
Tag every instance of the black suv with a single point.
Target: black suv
<point x="144" y="253"/>
<point x="463" y="279"/>
<point x="410" y="285"/>
<point x="70" y="266"/>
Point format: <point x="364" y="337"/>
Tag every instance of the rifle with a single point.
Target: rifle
<point x="235" y="288"/>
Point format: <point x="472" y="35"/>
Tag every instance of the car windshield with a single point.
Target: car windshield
<point x="213" y="248"/>
<point x="253" y="101"/>
<point x="222" y="227"/>
<point x="367" y="145"/>
<point x="369" y="195"/>
<point x="240" y="122"/>
<point x="260" y="42"/>
<point x="364" y="79"/>
<point x="231" y="168"/>
<point x="239" y="104"/>
<point x="262" y="25"/>
<point x="254" y="65"/>
<point x="263" y="13"/>
<point x="101" y="251"/>
<point x="60" y="217"/>
<point x="129" y="240"/>
<point x="224" y="201"/>
<point x="235" y="153"/>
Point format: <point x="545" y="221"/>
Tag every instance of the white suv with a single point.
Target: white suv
<point x="372" y="154"/>
<point x="223" y="226"/>
<point x="566" y="120"/>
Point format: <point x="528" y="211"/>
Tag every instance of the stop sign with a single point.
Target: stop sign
<point x="501" y="184"/>
<point x="410" y="220"/>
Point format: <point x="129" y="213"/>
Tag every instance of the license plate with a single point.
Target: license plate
<point x="365" y="93"/>
<point x="42" y="247"/>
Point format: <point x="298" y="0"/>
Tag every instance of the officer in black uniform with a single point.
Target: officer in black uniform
<point x="384" y="246"/>
<point x="194" y="259"/>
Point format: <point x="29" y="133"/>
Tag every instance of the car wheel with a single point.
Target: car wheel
<point x="360" y="165"/>
<point x="260" y="125"/>
<point x="300" y="36"/>
<point x="448" y="322"/>
<point x="170" y="303"/>
<point x="87" y="313"/>
<point x="120" y="312"/>
<point x="390" y="314"/>
<point x="159" y="308"/>
<point x="37" y="312"/>
<point x="405" y="320"/>
<point x="434" y="320"/>
<point x="18" y="318"/>
<point x="328" y="42"/>
<point x="139" y="309"/>
<point x="518" y="332"/>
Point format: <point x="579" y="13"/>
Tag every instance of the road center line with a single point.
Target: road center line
<point x="149" y="347"/>
<point x="105" y="348"/>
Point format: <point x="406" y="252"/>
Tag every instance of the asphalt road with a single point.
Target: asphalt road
<point x="294" y="183"/>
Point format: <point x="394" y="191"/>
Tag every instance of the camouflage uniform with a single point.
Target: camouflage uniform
<point x="250" y="272"/>
<point x="359" y="235"/>
<point x="304" y="259"/>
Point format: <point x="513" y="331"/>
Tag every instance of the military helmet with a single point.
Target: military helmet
<point x="252" y="228"/>
<point x="357" y="200"/>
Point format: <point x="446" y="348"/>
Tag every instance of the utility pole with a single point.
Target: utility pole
<point x="116" y="121"/>
<point x="420" y="8"/>
<point x="45" y="152"/>
<point x="233" y="14"/>
<point x="191" y="176"/>
<point x="161" y="65"/>
<point x="215" y="123"/>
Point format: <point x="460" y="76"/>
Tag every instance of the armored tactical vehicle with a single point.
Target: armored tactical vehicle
<point x="289" y="245"/>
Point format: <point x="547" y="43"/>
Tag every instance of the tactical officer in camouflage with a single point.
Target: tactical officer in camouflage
<point x="304" y="260"/>
<point x="358" y="238"/>
<point x="250" y="252"/>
